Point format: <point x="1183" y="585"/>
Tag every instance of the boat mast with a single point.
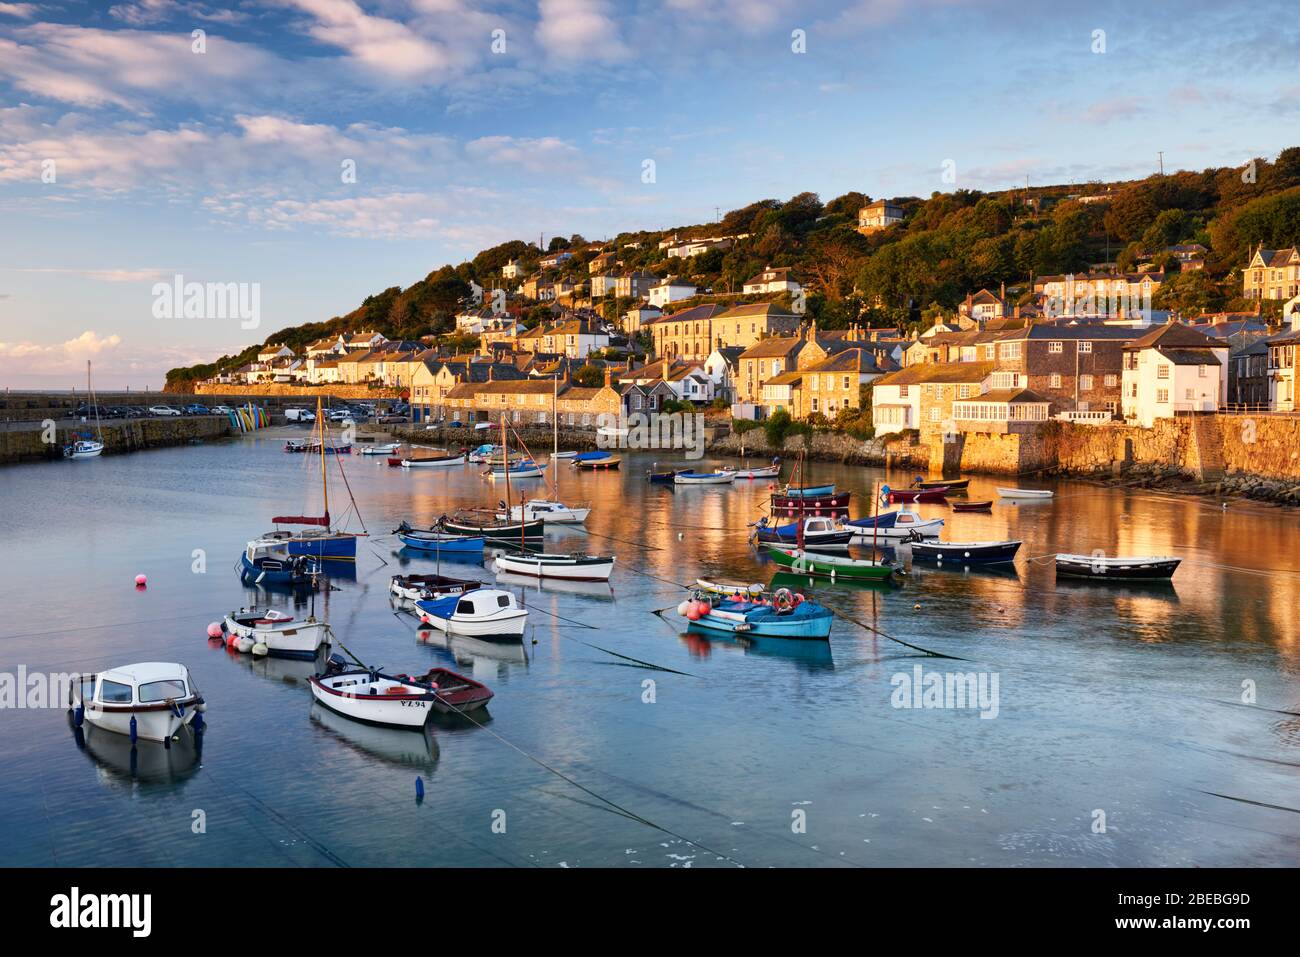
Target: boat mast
<point x="555" y="431"/>
<point x="324" y="472"/>
<point x="99" y="430"/>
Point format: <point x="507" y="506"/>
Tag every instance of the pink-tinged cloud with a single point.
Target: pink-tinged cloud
<point x="579" y="30"/>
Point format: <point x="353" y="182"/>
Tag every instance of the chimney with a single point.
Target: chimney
<point x="608" y="375"/>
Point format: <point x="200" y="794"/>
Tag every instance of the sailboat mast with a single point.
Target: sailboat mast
<point x="324" y="479"/>
<point x="555" y="430"/>
<point x="99" y="429"/>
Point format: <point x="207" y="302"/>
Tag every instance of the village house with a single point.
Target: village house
<point x="634" y="285"/>
<point x="693" y="247"/>
<point x="1078" y="368"/>
<point x="834" y="383"/>
<point x="531" y="402"/>
<point x="574" y="338"/>
<point x="722" y="366"/>
<point x="877" y="216"/>
<point x="1001" y="411"/>
<point x="551" y="260"/>
<point x="599" y="263"/>
<point x="512" y="269"/>
<point x="921" y="396"/>
<point x="632" y="321"/>
<point x="270" y="353"/>
<point x="772" y="282"/>
<point x="603" y="284"/>
<point x="327" y="347"/>
<point x="687" y="333"/>
<point x="670" y="289"/>
<point x="1249" y="379"/>
<point x="647" y="398"/>
<point x="1110" y="295"/>
<point x="435" y="377"/>
<point x="763" y="361"/>
<point x="1272" y="274"/>
<point x="1173" y="369"/>
<point x="365" y="340"/>
<point x="984" y="305"/>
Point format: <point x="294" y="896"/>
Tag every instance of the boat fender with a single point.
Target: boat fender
<point x="135" y="732"/>
<point x="214" y="630"/>
<point x="79" y="716"/>
<point x="198" y="724"/>
<point x="261" y="649"/>
<point x="245" y="645"/>
<point x="693" y="612"/>
<point x="798" y="598"/>
<point x="683" y="608"/>
<point x="231" y="640"/>
<point x="419" y="788"/>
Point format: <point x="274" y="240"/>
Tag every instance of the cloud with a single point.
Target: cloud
<point x="88" y="344"/>
<point x="106" y="275"/>
<point x="380" y="45"/>
<point x="23" y="11"/>
<point x="579" y="30"/>
<point x="547" y="154"/>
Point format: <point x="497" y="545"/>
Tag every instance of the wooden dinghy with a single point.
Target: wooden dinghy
<point x="704" y="478"/>
<point x="576" y="567"/>
<point x="1031" y="494"/>
<point x="433" y="461"/>
<point x="965" y="553"/>
<point x="937" y="494"/>
<point x="429" y="587"/>
<point x="480" y="525"/>
<point x="954" y="485"/>
<point x="971" y="506"/>
<point x="608" y="463"/>
<point x="396" y="700"/>
<point x="1119" y="569"/>
<point x="834" y="567"/>
<point x="730" y="588"/>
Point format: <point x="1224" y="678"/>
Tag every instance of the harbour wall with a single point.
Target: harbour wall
<point x="37" y="406"/>
<point x="28" y="444"/>
<point x="276" y="390"/>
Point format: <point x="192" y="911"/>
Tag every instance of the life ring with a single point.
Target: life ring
<point x="782" y="600"/>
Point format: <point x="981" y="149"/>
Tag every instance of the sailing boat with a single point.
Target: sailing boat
<point x="320" y="539"/>
<point x="553" y="512"/>
<point x="85" y="447"/>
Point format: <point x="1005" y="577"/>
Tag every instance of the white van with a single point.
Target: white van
<point x="299" y="415"/>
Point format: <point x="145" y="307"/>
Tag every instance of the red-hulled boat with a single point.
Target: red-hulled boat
<point x="971" y="506"/>
<point x="919" y="494"/>
<point x="832" y="504"/>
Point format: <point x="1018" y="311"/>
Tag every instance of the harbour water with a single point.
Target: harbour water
<point x="1134" y="726"/>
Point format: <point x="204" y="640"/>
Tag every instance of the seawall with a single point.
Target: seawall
<point x="28" y="443"/>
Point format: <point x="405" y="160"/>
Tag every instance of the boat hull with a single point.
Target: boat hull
<point x="972" y="506"/>
<point x="807" y="621"/>
<point x="811" y="505"/>
<point x="337" y="545"/>
<point x="964" y="553"/>
<point x="597" y="465"/>
<point x="503" y="627"/>
<point x="840" y="540"/>
<point x="300" y="640"/>
<point x="1028" y="494"/>
<point x="846" y="569"/>
<point x="434" y="463"/>
<point x="499" y="533"/>
<point x="695" y="478"/>
<point x="918" y="494"/>
<point x="1118" y="570"/>
<point x="454" y="543"/>
<point x="587" y="568"/>
<point x="391" y="711"/>
<point x="275" y="573"/>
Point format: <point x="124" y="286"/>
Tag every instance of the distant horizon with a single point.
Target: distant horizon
<point x="327" y="151"/>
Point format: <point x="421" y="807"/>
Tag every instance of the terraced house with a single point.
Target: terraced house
<point x="696" y="332"/>
<point x="1076" y="368"/>
<point x="1272" y="274"/>
<point x="921" y="396"/>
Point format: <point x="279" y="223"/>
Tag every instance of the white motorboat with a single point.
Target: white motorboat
<point x="766" y="471"/>
<point x="1036" y="494"/>
<point x="907" y="524"/>
<point x="525" y="468"/>
<point x="150" y="700"/>
<point x="576" y="567"/>
<point x="276" y="634"/>
<point x="552" y="513"/>
<point x="481" y="613"/>
<point x="433" y="462"/>
<point x="388" y="449"/>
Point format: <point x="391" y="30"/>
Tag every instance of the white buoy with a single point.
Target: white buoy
<point x="681" y="609"/>
<point x="244" y="644"/>
<point x="260" y="649"/>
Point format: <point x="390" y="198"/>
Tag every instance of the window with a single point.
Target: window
<point x="1162" y="396"/>
<point x="902" y="392"/>
<point x="1111" y="381"/>
<point x="1162" y="371"/>
<point x="814" y="404"/>
<point x="1133" y="391"/>
<point x="1189" y="394"/>
<point x="161" y="690"/>
<point x="503" y="601"/>
<point x="1056" y="347"/>
<point x="1055" y="380"/>
<point x="1085" y="382"/>
<point x="815" y="380"/>
<point x="1202" y="371"/>
<point x="846" y="383"/>
<point x="1085" y="347"/>
<point x="934" y="414"/>
<point x="464" y="607"/>
<point x="114" y="692"/>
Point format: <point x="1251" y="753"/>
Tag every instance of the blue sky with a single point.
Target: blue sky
<point x="225" y="165"/>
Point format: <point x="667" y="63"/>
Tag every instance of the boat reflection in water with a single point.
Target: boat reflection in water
<point x="152" y="765"/>
<point x="407" y="556"/>
<point x="805" y="584"/>
<point x="486" y="659"/>
<point x="808" y="655"/>
<point x="289" y="671"/>
<point x="601" y="591"/>
<point x="405" y="747"/>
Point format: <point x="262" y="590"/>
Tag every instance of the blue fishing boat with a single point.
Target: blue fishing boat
<point x="883" y="520"/>
<point x="965" y="553"/>
<point x="591" y="456"/>
<point x="785" y="616"/>
<point x="267" y="561"/>
<point x="808" y="491"/>
<point x="431" y="540"/>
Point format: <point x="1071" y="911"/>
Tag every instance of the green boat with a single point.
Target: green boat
<point x="834" y="567"/>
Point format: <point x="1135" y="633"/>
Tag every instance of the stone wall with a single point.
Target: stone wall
<point x="282" y="390"/>
<point x="827" y="447"/>
<point x="26" y="444"/>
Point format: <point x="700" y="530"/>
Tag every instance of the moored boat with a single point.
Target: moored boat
<point x="663" y="478"/>
<point x="524" y="468"/>
<point x="268" y="560"/>
<point x="819" y="532"/>
<point x="787" y="505"/>
<point x="953" y="485"/>
<point x="733" y="589"/>
<point x="83" y="448"/>
<point x="834" y="567"/>
<point x="278" y="635"/>
<point x="395" y="700"/>
<point x="971" y="506"/>
<point x="766" y="471"/>
<point x="965" y="553"/>
<point x="608" y="463"/>
<point x="551" y="513"/>
<point x="938" y="494"/>
<point x="481" y="613"/>
<point x="785" y="616"/>
<point x="432" y="461"/>
<point x="1036" y="494"/>
<point x="479" y="525"/>
<point x="1118" y="568"/>
<point x="724" y="477"/>
<point x="151" y="700"/>
<point x="906" y="524"/>
<point x="435" y="540"/>
<point x="387" y="449"/>
<point x="429" y="587"/>
<point x="575" y="567"/>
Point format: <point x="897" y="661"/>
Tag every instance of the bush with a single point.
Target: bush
<point x="741" y="426"/>
<point x="777" y="427"/>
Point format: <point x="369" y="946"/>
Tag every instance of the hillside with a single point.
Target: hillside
<point x="949" y="245"/>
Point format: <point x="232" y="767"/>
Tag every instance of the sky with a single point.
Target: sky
<point x="317" y="151"/>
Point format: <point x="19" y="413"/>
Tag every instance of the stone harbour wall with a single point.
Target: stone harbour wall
<point x="285" y="391"/>
<point x="27" y="445"/>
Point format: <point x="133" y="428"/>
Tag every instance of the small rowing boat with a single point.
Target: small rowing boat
<point x="730" y="588"/>
<point x="954" y="485"/>
<point x="388" y="449"/>
<point x="552" y="513"/>
<point x="704" y="478"/>
<point x="564" y="455"/>
<point x="575" y="567"/>
<point x="429" y="587"/>
<point x="433" y="461"/>
<point x="765" y="471"/>
<point x="434" y="540"/>
<point x="1034" y="494"/>
<point x="477" y="526"/>
<point x="593" y="456"/>
<point x="971" y="506"/>
<point x="965" y="553"/>
<point x="822" y="505"/>
<point x="608" y="463"/>
<point x="834" y="567"/>
<point x="524" y="468"/>
<point x="938" y="494"/>
<point x="1120" y="568"/>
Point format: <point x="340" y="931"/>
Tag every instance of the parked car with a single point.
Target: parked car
<point x="163" y="410"/>
<point x="195" y="408"/>
<point x="222" y="410"/>
<point x="455" y="424"/>
<point x="299" y="415"/>
<point x="391" y="418"/>
<point x="340" y="415"/>
<point x="88" y="411"/>
<point x="137" y="412"/>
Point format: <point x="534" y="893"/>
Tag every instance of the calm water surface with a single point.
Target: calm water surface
<point x="1122" y="701"/>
